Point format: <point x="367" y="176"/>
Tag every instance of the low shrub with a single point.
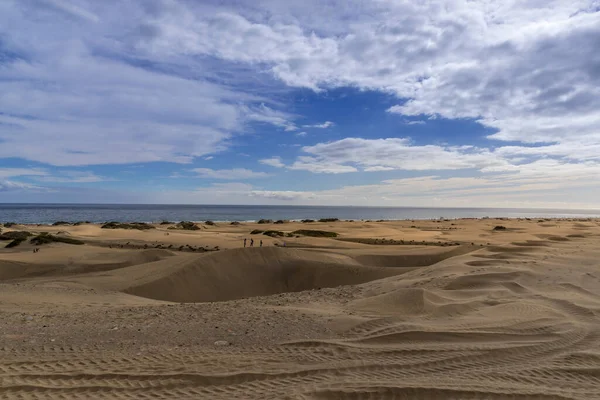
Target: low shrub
<point x="14" y="243"/>
<point x="315" y="233"/>
<point x="329" y="219"/>
<point x="211" y="223"/>
<point x="15" y="235"/>
<point x="265" y="221"/>
<point x="279" y="221"/>
<point x="256" y="232"/>
<point x="235" y="223"/>
<point x="59" y="223"/>
<point x="499" y="228"/>
<point x="307" y="221"/>
<point x="45" y="238"/>
<point x="9" y="224"/>
<point x="166" y="222"/>
<point x="130" y="225"/>
<point x="186" y="226"/>
<point x="273" y="233"/>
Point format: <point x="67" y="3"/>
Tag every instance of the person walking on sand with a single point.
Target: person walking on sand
<point x="245" y="242"/>
<point x="251" y="242"/>
<point x="261" y="243"/>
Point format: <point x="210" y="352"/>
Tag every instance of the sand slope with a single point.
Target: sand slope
<point x="516" y="319"/>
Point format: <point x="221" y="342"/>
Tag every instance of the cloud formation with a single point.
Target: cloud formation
<point x="229" y="174"/>
<point x="86" y="83"/>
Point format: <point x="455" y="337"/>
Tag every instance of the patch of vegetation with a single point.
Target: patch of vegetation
<point x="499" y="228"/>
<point x="45" y="238"/>
<point x="15" y="235"/>
<point x="265" y="221"/>
<point x="279" y="221"/>
<point x="9" y="224"/>
<point x="315" y="233"/>
<point x="211" y="223"/>
<point x="186" y="226"/>
<point x="59" y="223"/>
<point x="307" y="221"/>
<point x="273" y="233"/>
<point x="256" y="232"/>
<point x="329" y="219"/>
<point x="164" y="222"/>
<point x="14" y="243"/>
<point x="142" y="226"/>
<point x="81" y="223"/>
<point x="235" y="223"/>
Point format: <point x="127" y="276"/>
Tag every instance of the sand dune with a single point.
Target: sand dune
<point x="511" y="314"/>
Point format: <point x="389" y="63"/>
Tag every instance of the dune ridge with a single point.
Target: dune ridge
<point x="507" y="315"/>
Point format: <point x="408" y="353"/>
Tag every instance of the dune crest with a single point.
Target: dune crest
<point x="512" y="314"/>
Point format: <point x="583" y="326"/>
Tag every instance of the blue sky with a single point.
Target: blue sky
<point x="384" y="102"/>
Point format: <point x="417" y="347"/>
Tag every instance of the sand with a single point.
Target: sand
<point x="393" y="310"/>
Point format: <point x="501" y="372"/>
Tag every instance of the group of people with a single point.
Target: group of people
<point x="36" y="250"/>
<point x="252" y="242"/>
<point x="260" y="244"/>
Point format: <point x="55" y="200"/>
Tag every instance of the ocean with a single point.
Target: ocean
<point x="49" y="213"/>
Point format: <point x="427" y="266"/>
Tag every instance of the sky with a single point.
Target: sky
<point x="447" y="103"/>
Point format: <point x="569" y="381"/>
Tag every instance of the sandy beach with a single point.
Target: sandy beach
<point x="447" y="309"/>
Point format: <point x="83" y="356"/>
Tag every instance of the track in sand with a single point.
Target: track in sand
<point x="510" y="321"/>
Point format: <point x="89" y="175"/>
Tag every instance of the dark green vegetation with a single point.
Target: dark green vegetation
<point x="256" y="232"/>
<point x="265" y="221"/>
<point x="329" y="219"/>
<point x="315" y="233"/>
<point x="235" y="223"/>
<point x="81" y="223"/>
<point x="186" y="226"/>
<point x="273" y="233"/>
<point x="14" y="243"/>
<point x="9" y="224"/>
<point x="166" y="222"/>
<point x="59" y="223"/>
<point x="499" y="228"/>
<point x="280" y="221"/>
<point x="211" y="223"/>
<point x="15" y="235"/>
<point x="142" y="226"/>
<point x="393" y="242"/>
<point x="45" y="238"/>
<point x="307" y="221"/>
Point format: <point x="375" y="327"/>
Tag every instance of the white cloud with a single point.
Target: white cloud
<point x="321" y="166"/>
<point x="208" y="158"/>
<point x="14" y="172"/>
<point x="71" y="9"/>
<point x="377" y="168"/>
<point x="324" y="125"/>
<point x="511" y="66"/>
<point x="44" y="175"/>
<point x="273" y="162"/>
<point x="265" y="114"/>
<point x="11" y="186"/>
<point x="227" y="174"/>
<point x="73" y="177"/>
<point x="390" y="154"/>
<point x="75" y="93"/>
<point x="301" y="134"/>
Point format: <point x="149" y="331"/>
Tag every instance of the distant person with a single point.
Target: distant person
<point x="251" y="242"/>
<point x="261" y="243"/>
<point x="245" y="242"/>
